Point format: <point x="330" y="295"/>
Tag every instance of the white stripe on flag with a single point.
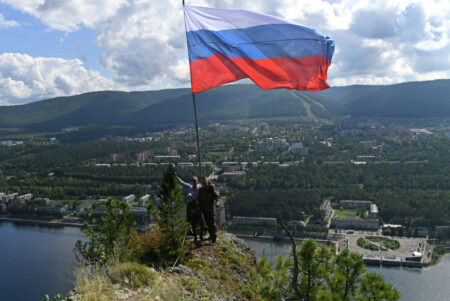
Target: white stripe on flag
<point x="215" y="19"/>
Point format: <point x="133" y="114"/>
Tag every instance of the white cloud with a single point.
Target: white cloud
<point x="7" y="23"/>
<point x="377" y="41"/>
<point x="68" y="15"/>
<point x="24" y="78"/>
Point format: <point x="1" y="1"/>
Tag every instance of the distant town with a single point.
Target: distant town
<point x="334" y="176"/>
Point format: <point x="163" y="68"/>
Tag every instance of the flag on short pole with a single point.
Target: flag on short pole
<point x="227" y="45"/>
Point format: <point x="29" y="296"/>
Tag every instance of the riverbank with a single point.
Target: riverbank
<point x="439" y="252"/>
<point x="52" y="222"/>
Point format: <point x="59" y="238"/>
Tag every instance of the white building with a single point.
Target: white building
<point x="373" y="210"/>
<point x="24" y="198"/>
<point x="84" y="209"/>
<point x="355" y="223"/>
<point x="9" y="197"/>
<point x="129" y="198"/>
<point x="247" y="220"/>
<point x="143" y="200"/>
<point x="185" y="165"/>
<point x="230" y="166"/>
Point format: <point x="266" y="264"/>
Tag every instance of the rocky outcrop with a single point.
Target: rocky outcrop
<point x="220" y="272"/>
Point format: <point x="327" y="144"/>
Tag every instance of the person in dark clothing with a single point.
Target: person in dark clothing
<point x="207" y="200"/>
<point x="194" y="216"/>
<point x="193" y="212"/>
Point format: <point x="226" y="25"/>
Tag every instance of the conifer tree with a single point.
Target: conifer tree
<point x="112" y="235"/>
<point x="170" y="217"/>
<point x="312" y="273"/>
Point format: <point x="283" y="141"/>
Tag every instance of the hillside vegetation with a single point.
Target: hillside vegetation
<point x="170" y="107"/>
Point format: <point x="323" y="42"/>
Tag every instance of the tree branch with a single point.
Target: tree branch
<point x="295" y="272"/>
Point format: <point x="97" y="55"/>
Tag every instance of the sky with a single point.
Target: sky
<point x="52" y="48"/>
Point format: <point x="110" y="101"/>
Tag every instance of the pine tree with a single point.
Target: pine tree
<point x="312" y="273"/>
<point x="111" y="236"/>
<point x="171" y="220"/>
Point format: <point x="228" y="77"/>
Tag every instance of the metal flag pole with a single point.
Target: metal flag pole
<point x="195" y="107"/>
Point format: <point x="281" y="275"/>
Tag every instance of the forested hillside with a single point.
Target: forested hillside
<point x="231" y="102"/>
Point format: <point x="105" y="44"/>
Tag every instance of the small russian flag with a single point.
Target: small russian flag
<point x="228" y="45"/>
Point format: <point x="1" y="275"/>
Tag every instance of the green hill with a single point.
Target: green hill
<point x="406" y="100"/>
<point x="168" y="107"/>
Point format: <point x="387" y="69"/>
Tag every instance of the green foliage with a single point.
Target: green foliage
<point x="438" y="252"/>
<point x="111" y="236"/>
<point x="348" y="268"/>
<point x="374" y="288"/>
<point x="386" y="242"/>
<point x="320" y="276"/>
<point x="170" y="218"/>
<point x="414" y="195"/>
<point x="57" y="297"/>
<point x="229" y="102"/>
<point x="136" y="275"/>
<point x="363" y="243"/>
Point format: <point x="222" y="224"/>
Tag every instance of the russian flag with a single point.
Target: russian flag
<point x="228" y="45"/>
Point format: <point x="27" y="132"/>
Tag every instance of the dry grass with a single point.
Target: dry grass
<point x="93" y="286"/>
<point x="165" y="287"/>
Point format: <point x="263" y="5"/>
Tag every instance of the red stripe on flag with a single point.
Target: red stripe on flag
<point x="302" y="73"/>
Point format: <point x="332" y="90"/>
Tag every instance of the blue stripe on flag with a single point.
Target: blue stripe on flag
<point x="260" y="42"/>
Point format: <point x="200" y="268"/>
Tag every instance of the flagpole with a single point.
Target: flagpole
<point x="195" y="109"/>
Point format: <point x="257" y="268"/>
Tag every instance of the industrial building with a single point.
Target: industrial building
<point x="256" y="221"/>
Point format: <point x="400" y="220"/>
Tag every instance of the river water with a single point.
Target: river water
<point x="38" y="260"/>
<point x="414" y="284"/>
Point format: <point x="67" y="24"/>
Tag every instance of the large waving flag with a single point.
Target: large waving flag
<point x="228" y="45"/>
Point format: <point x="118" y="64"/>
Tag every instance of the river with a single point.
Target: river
<point x="38" y="260"/>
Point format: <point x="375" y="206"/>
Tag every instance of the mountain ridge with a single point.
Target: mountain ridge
<point x="174" y="106"/>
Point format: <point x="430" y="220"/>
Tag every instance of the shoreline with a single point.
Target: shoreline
<point x="438" y="260"/>
<point x="49" y="223"/>
<point x="287" y="242"/>
<point x="269" y="239"/>
<point x="54" y="222"/>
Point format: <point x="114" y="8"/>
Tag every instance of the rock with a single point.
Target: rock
<point x="234" y="241"/>
<point x="181" y="269"/>
<point x="72" y="296"/>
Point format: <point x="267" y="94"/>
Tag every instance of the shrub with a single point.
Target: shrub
<point x="138" y="275"/>
<point x="363" y="243"/>
<point x="247" y="293"/>
<point x="147" y="247"/>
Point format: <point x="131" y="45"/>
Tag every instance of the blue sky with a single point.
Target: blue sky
<point x="51" y="48"/>
<point x="39" y="40"/>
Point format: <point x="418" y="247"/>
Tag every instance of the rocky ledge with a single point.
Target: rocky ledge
<point x="222" y="272"/>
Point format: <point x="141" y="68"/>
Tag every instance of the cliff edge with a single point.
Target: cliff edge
<point x="223" y="271"/>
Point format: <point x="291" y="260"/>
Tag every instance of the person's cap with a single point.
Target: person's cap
<point x="194" y="178"/>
